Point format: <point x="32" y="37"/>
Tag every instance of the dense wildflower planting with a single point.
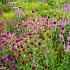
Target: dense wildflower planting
<point x="32" y="42"/>
<point x="40" y="43"/>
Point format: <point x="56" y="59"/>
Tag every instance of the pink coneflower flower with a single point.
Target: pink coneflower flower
<point x="68" y="38"/>
<point x="32" y="43"/>
<point x="17" y="40"/>
<point x="25" y="25"/>
<point x="14" y="50"/>
<point x="39" y="43"/>
<point x="7" y="55"/>
<point x="1" y="23"/>
<point x="30" y="52"/>
<point x="68" y="45"/>
<point x="62" y="31"/>
<point x="24" y="62"/>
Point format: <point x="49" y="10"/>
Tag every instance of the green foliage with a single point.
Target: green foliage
<point x="3" y="1"/>
<point x="52" y="54"/>
<point x="5" y="8"/>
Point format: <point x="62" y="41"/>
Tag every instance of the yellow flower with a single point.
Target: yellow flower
<point x="46" y="4"/>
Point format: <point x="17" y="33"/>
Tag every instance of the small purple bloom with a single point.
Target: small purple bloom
<point x="1" y="23"/>
<point x="7" y="55"/>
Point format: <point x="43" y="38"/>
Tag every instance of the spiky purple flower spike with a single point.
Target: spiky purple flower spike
<point x="67" y="49"/>
<point x="66" y="7"/>
<point x="68" y="43"/>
